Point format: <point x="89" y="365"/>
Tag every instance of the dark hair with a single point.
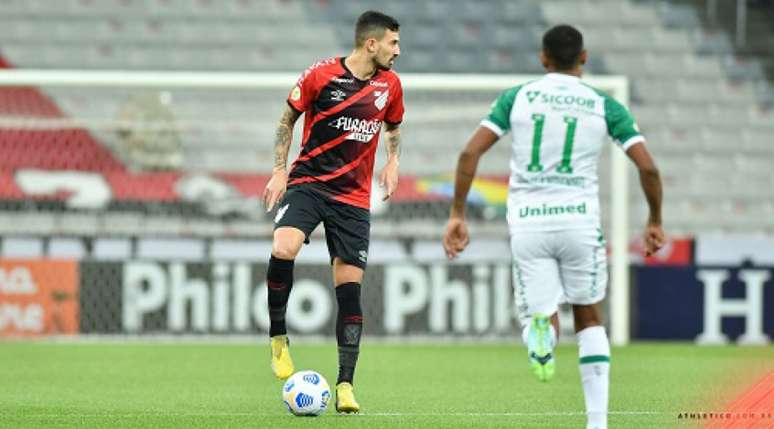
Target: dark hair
<point x="563" y="45"/>
<point x="373" y="24"/>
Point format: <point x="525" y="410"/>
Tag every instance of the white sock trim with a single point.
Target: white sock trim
<point x="593" y="341"/>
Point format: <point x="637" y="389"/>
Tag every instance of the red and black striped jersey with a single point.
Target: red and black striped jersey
<point x="343" y="119"/>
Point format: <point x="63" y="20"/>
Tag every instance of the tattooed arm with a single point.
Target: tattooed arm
<point x="388" y="179"/>
<point x="275" y="189"/>
<point x="392" y="134"/>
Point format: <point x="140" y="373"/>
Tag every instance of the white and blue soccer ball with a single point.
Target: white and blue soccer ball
<point x="306" y="393"/>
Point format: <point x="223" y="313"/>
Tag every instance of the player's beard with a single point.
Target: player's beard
<point x="386" y="66"/>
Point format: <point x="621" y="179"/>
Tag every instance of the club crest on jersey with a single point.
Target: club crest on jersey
<point x="381" y="99"/>
<point x="338" y="95"/>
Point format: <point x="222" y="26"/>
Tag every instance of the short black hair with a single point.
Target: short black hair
<point x="373" y="24"/>
<point x="563" y="45"/>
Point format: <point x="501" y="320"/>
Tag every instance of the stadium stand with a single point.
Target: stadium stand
<point x="705" y="107"/>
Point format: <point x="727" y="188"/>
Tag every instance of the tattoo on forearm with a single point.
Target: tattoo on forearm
<point x="283" y="137"/>
<point x="393" y="140"/>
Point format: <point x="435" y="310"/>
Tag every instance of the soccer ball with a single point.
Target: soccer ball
<point x="306" y="393"/>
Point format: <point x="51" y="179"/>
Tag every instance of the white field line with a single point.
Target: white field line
<point x="385" y="414"/>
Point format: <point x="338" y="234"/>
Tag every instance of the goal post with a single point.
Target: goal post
<point x="617" y="86"/>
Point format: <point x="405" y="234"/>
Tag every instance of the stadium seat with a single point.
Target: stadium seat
<point x="22" y="247"/>
<point x="711" y="42"/>
<point x="678" y="16"/>
<point x="431" y="251"/>
<point x="690" y="95"/>
<point x="111" y="249"/>
<point x="519" y="12"/>
<point x="86" y="224"/>
<point x="422" y="35"/>
<point x="506" y="36"/>
<point x="248" y="250"/>
<point x="721" y="142"/>
<point x="755" y="141"/>
<point x="66" y="248"/>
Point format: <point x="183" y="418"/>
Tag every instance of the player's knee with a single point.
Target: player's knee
<point x="349" y="277"/>
<point x="284" y="251"/>
<point x="287" y="243"/>
<point x="346" y="273"/>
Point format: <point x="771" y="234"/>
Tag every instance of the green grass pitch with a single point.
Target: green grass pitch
<point x="197" y="385"/>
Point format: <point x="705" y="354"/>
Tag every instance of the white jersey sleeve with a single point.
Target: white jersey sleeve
<point x="558" y="127"/>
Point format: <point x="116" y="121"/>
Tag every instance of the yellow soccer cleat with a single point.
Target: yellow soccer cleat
<point x="345" y="399"/>
<point x="281" y="363"/>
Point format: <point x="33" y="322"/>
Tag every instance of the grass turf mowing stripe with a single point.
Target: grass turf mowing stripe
<point x="359" y="415"/>
<point x="450" y="386"/>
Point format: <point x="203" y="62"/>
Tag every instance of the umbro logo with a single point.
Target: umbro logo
<point x="338" y="95"/>
<point x="281" y="213"/>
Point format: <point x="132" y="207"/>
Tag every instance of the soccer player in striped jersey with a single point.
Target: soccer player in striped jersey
<point x="559" y="125"/>
<point x="346" y="102"/>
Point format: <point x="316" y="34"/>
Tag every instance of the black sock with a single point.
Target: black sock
<point x="349" y="327"/>
<point x="279" y="278"/>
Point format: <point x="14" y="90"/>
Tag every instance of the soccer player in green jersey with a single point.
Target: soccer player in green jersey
<point x="558" y="126"/>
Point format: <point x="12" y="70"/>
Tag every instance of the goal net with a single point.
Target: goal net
<point x="150" y="182"/>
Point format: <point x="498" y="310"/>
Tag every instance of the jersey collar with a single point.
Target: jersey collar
<point x="344" y="66"/>
<point x="561" y="77"/>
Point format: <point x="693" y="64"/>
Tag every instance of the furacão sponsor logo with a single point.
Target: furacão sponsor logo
<point x="361" y="130"/>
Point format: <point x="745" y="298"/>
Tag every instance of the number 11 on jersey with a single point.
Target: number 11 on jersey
<point x="537" y="139"/>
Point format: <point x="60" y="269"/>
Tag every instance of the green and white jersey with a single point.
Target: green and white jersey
<point x="559" y="126"/>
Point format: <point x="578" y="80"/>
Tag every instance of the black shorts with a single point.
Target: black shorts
<point x="347" y="228"/>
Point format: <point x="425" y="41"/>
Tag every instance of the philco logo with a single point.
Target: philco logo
<point x="362" y="130"/>
<point x="342" y="80"/>
<point x="531" y="95"/>
<point x="220" y="299"/>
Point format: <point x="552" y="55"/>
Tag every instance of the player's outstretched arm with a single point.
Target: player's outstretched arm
<point x="275" y="189"/>
<point x="388" y="178"/>
<point x="456" y="236"/>
<point x="650" y="181"/>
